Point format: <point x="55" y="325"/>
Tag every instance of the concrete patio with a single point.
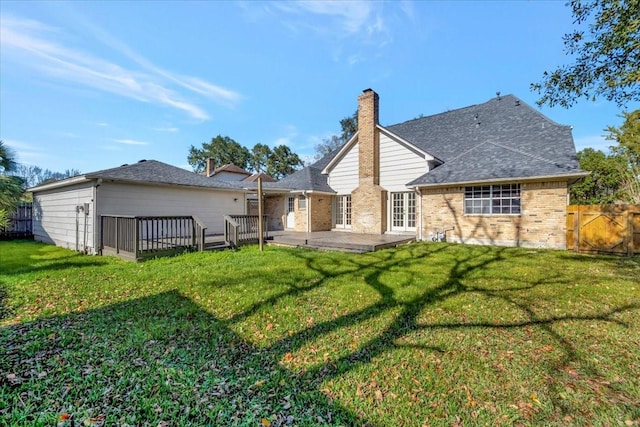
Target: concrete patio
<point x="339" y="240"/>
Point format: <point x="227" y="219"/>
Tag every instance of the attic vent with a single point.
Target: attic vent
<point x="517" y="102"/>
<point x="142" y="161"/>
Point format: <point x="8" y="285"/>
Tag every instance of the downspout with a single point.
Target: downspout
<point x="420" y="230"/>
<point x="97" y="225"/>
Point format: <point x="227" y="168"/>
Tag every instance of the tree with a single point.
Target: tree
<point x="349" y="126"/>
<point x="282" y="162"/>
<point x="260" y="154"/>
<point x="11" y="187"/>
<point x="628" y="138"/>
<point x="35" y="175"/>
<point x="602" y="186"/>
<point x="607" y="57"/>
<point x="328" y="146"/>
<point x="223" y="150"/>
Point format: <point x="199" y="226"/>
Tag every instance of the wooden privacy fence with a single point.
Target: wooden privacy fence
<point x="20" y="223"/>
<point x="613" y="229"/>
<point x="141" y="237"/>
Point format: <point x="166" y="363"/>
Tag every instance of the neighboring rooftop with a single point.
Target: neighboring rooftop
<point x="255" y="176"/>
<point x="231" y="168"/>
<point x="147" y="171"/>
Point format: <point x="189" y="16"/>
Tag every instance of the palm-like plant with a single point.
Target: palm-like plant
<point x="11" y="187"/>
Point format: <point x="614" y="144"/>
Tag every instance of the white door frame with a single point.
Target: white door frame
<point x="342" y="212"/>
<point x="402" y="211"/>
<point x="289" y="211"/>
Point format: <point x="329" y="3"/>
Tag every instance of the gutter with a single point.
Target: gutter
<point x="567" y="177"/>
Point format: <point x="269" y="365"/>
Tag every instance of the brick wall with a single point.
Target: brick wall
<point x="274" y="207"/>
<point x="542" y="222"/>
<point x="321" y="212"/>
<point x="368" y="200"/>
<point x="300" y="215"/>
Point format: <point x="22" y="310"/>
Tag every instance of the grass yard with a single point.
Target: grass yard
<point x="427" y="334"/>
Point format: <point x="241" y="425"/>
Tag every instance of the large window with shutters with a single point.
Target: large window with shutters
<point x="492" y="199"/>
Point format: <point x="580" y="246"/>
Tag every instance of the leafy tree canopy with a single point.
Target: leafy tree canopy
<point x="607" y="56"/>
<point x="602" y="186"/>
<point x="277" y="162"/>
<point x="628" y="138"/>
<point x="223" y="150"/>
<point x="282" y="162"/>
<point x="11" y="187"/>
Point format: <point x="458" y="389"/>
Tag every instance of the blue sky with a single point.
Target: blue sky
<point x="92" y="85"/>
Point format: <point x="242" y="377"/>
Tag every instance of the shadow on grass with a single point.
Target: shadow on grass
<point x="456" y="271"/>
<point x="5" y="310"/>
<point x="154" y="359"/>
<point x="37" y="258"/>
<point x="163" y="358"/>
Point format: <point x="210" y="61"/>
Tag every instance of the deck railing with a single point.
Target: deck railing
<point x="141" y="237"/>
<point x="241" y="229"/>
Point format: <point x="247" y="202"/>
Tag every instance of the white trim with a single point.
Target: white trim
<point x="57" y="184"/>
<point x="344" y="150"/>
<point x="408" y="145"/>
<point x="504" y="180"/>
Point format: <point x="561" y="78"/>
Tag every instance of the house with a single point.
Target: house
<point x="67" y="213"/>
<point x="493" y="173"/>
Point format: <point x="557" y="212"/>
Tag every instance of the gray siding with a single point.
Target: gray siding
<point x="399" y="165"/>
<point x="343" y="178"/>
<point x="208" y="205"/>
<point x="56" y="221"/>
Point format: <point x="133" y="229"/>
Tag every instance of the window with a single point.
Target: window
<point x="492" y="199"/>
<point x="302" y="202"/>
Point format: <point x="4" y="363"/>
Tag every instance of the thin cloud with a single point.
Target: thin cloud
<point x="356" y="24"/>
<point x="166" y="129"/>
<point x="130" y="142"/>
<point x="26" y="153"/>
<point x="34" y="44"/>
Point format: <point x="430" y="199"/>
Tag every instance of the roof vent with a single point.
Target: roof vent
<point x="142" y="161"/>
<point x="124" y="165"/>
<point x="517" y="102"/>
<point x="498" y="95"/>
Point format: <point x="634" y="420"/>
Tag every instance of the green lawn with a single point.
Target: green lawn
<point x="427" y="334"/>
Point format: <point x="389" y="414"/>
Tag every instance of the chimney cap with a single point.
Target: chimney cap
<point x="367" y="90"/>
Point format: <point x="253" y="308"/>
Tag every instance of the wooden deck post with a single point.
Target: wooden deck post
<point x="260" y="213"/>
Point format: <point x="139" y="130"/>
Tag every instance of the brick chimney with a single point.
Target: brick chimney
<point x="211" y="166"/>
<point x="368" y="138"/>
<point x="369" y="199"/>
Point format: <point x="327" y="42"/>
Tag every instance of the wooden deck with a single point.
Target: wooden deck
<point x="339" y="240"/>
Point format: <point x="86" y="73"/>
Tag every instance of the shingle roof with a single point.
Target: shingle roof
<point x="153" y="171"/>
<point x="231" y="168"/>
<point x="255" y="176"/>
<point x="500" y="139"/>
<point x="309" y="178"/>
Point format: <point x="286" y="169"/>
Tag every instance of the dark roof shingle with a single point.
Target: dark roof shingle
<point x="155" y="172"/>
